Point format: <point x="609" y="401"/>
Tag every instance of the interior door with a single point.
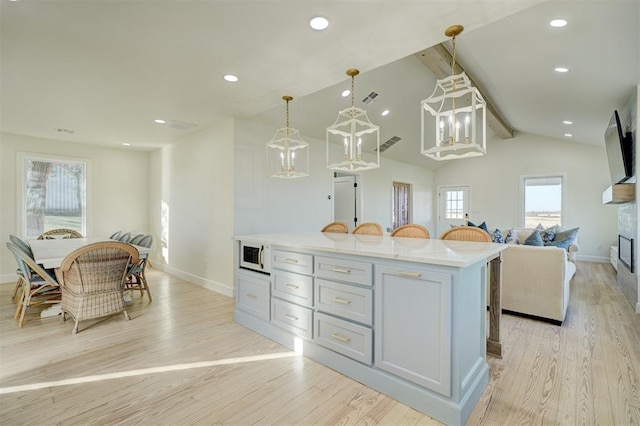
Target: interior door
<point x="346" y="207"/>
<point x="453" y="206"/>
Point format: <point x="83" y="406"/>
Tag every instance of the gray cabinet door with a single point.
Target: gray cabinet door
<point x="413" y="325"/>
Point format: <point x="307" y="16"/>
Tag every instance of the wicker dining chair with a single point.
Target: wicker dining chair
<point x="92" y="279"/>
<point x="411" y="230"/>
<point x="37" y="285"/>
<point x="368" y="228"/>
<point x="336" y="227"/>
<point x="466" y="233"/>
<point x="136" y="279"/>
<point x="60" y="233"/>
<point x="115" y="235"/>
<point x="125" y="238"/>
<point x="27" y="249"/>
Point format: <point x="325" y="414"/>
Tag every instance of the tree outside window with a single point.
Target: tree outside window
<point x="53" y="191"/>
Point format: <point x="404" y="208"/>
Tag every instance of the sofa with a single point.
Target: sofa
<point x="535" y="280"/>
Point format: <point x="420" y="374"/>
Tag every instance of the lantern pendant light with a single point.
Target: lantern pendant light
<point x="454" y="117"/>
<point x="287" y="153"/>
<point x="353" y="142"/>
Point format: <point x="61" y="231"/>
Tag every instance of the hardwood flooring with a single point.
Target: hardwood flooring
<point x="181" y="360"/>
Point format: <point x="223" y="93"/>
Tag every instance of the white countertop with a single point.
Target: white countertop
<point x="431" y="251"/>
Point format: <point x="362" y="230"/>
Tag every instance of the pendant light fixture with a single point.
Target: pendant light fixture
<point x="353" y="142"/>
<point x="453" y="118"/>
<point x="287" y="153"/>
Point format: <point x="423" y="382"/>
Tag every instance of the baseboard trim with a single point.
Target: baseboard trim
<point x="202" y="282"/>
<point x="8" y="278"/>
<point x="596" y="259"/>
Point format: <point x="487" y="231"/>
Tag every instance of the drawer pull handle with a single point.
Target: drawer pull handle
<point x="291" y="317"/>
<point x="409" y="274"/>
<point x="342" y="270"/>
<point x="341" y="338"/>
<point x="293" y="286"/>
<point x="293" y="261"/>
<point x="251" y="296"/>
<point x="343" y="301"/>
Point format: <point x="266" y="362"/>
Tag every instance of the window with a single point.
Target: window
<point x="401" y="204"/>
<point x="454" y="204"/>
<point x="542" y="200"/>
<point x="53" y="191"/>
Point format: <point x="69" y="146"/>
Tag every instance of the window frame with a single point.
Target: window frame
<point x="21" y="169"/>
<point x="563" y="196"/>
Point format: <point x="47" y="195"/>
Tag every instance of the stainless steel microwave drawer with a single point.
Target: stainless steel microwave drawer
<point x="344" y="270"/>
<point x="349" y="339"/>
<point x="300" y="263"/>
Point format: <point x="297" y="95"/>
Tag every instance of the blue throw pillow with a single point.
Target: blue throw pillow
<point x="496" y="236"/>
<point x="560" y="243"/>
<point x="534" y="240"/>
<point x="548" y="235"/>
<point x="482" y="226"/>
<point x="571" y="234"/>
<point x="512" y="237"/>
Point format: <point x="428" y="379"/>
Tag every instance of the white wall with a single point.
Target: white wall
<point x="193" y="178"/>
<point x="494" y="182"/>
<point x="264" y="204"/>
<point x="116" y="198"/>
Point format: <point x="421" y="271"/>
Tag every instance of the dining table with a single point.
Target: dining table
<point x="51" y="252"/>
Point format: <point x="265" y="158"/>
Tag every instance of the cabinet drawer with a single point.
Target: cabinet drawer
<point x="294" y="318"/>
<point x="292" y="261"/>
<point x="347" y="301"/>
<point x="344" y="270"/>
<point x="352" y="340"/>
<point x="253" y="294"/>
<point x="295" y="288"/>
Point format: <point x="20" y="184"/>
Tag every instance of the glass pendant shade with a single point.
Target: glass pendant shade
<point x="353" y="142"/>
<point x="454" y="117"/>
<point x="287" y="153"/>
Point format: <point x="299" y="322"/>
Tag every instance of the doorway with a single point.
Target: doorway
<point x="346" y="200"/>
<point x="454" y="204"/>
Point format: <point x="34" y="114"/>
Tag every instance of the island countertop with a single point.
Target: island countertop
<point x="420" y="250"/>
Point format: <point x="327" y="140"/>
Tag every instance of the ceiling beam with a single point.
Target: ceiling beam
<point x="438" y="60"/>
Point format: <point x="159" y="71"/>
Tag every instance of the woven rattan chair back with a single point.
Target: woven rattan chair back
<point x="136" y="239"/>
<point x="336" y="227"/>
<point x="146" y="241"/>
<point x="125" y="238"/>
<point x="60" y="233"/>
<point x="37" y="285"/>
<point x="22" y="244"/>
<point x="115" y="235"/>
<point x="368" y="228"/>
<point x="411" y="231"/>
<point x="466" y="233"/>
<point x="137" y="279"/>
<point x="92" y="279"/>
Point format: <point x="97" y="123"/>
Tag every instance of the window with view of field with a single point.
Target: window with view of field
<point x="542" y="200"/>
<point x="53" y="195"/>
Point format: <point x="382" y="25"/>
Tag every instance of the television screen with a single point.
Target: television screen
<point x="616" y="149"/>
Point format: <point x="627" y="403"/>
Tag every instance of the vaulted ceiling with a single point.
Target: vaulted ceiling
<point x="100" y="72"/>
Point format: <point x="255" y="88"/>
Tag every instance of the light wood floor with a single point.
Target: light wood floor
<point x="181" y="360"/>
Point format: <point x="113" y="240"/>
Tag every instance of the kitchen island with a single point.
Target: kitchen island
<point x="404" y="316"/>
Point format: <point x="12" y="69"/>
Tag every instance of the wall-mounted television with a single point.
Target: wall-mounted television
<point x="619" y="150"/>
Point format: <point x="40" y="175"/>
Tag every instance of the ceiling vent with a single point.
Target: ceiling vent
<point x="179" y="125"/>
<point x="389" y="143"/>
<point x="370" y="98"/>
<point x="71" y="132"/>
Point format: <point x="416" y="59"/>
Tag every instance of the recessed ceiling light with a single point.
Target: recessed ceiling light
<point x="569" y="135"/>
<point x="318" y="23"/>
<point x="346" y="93"/>
<point x="126" y="144"/>
<point x="385" y="112"/>
<point x="561" y="69"/>
<point x="567" y="122"/>
<point x="231" y="78"/>
<point x="558" y="23"/>
<point x="159" y="121"/>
